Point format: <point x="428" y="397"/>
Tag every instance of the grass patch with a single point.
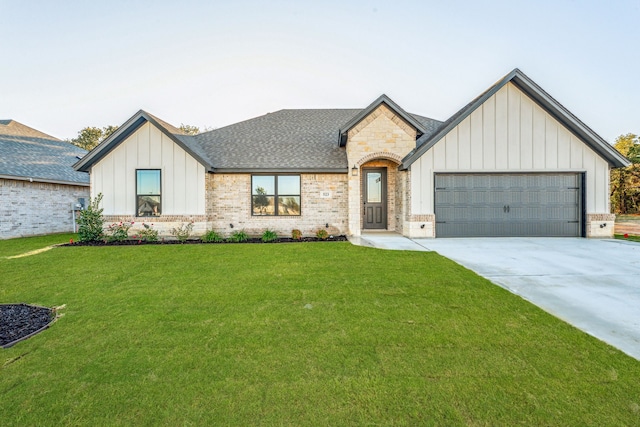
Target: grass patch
<point x="631" y="238"/>
<point x="19" y="246"/>
<point x="295" y="334"/>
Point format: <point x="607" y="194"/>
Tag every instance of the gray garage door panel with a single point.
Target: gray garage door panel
<point x="504" y="205"/>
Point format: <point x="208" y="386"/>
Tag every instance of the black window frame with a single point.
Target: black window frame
<point x="152" y="195"/>
<point x="276" y="195"/>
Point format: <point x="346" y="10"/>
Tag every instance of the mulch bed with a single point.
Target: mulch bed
<point x="172" y="241"/>
<point x="21" y="321"/>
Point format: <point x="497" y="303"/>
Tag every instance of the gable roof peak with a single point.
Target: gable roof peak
<point x="540" y="97"/>
<point x="183" y="140"/>
<point x="382" y="99"/>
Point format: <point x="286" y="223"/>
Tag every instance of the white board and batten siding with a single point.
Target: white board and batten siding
<point x="509" y="133"/>
<point x="182" y="176"/>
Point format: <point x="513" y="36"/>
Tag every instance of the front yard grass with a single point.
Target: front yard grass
<point x="294" y="334"/>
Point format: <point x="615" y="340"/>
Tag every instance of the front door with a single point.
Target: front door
<point x="374" y="196"/>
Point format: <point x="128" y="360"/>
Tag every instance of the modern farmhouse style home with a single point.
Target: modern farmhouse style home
<point x="513" y="162"/>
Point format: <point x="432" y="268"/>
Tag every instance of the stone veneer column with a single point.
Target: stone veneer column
<point x="382" y="138"/>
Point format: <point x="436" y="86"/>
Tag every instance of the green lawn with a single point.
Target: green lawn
<point x="293" y="334"/>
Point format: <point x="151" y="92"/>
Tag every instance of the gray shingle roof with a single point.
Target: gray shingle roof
<point x="28" y="153"/>
<point x="287" y="140"/>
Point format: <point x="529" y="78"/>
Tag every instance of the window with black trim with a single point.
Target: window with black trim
<point x="277" y="195"/>
<point x="148" y="192"/>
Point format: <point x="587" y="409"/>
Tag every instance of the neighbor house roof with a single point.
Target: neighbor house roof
<point x="28" y="154"/>
<point x="538" y="95"/>
<point x="283" y="141"/>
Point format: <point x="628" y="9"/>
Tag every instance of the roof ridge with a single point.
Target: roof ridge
<point x="14" y="128"/>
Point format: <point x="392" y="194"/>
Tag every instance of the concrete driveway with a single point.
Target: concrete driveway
<point x="591" y="284"/>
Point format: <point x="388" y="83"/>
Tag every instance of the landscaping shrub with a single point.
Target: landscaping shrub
<point x="119" y="231"/>
<point x="211" y="236"/>
<point x="90" y="221"/>
<point x="269" y="236"/>
<point x="148" y="234"/>
<point x="296" y="234"/>
<point x="182" y="232"/>
<point x="238" y="237"/>
<point x="322" y="234"/>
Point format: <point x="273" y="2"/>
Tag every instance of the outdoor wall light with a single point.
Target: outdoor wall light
<point x="422" y="226"/>
<point x="354" y="171"/>
<point x="326" y="225"/>
<point x="231" y="225"/>
<point x="603" y="225"/>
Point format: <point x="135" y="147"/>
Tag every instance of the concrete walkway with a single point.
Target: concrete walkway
<point x="590" y="283"/>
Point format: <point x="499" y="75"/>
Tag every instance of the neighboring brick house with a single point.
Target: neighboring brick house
<point x="38" y="186"/>
<point x="513" y="162"/>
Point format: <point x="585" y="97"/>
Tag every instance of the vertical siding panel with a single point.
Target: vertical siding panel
<point x="539" y="133"/>
<point x="439" y="154"/>
<point x="416" y="183"/>
<point x="591" y="179"/>
<point x="131" y="149"/>
<point x="564" y="148"/>
<point x="601" y="188"/>
<point x="464" y="144"/>
<point x="489" y="133"/>
<point x="191" y="184"/>
<point x="451" y="141"/>
<point x="168" y="199"/>
<point x="202" y="178"/>
<point x="502" y="129"/>
<point x="155" y="147"/>
<point x="143" y="145"/>
<point x="120" y="181"/>
<point x="428" y="189"/>
<point x="476" y="139"/>
<point x="526" y="133"/>
<point x="514" y="140"/>
<point x="577" y="148"/>
<point x="179" y="180"/>
<point x="108" y="173"/>
<point x="96" y="180"/>
<point x="551" y="146"/>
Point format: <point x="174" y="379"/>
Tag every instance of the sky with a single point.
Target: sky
<point x="66" y="65"/>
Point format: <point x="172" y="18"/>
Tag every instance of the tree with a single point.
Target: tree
<point x="261" y="201"/>
<point x="189" y="130"/>
<point x="625" y="182"/>
<point x="89" y="137"/>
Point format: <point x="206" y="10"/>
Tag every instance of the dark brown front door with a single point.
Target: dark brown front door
<point x="374" y="195"/>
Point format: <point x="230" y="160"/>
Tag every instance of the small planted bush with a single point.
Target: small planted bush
<point x="90" y="221"/>
<point x="238" y="237"/>
<point x="322" y="234"/>
<point x="119" y="231"/>
<point x="269" y="236"/>
<point x="148" y="234"/>
<point x="296" y="234"/>
<point x="182" y="232"/>
<point x="211" y="236"/>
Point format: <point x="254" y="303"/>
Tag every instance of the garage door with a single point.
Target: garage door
<point x="505" y="205"/>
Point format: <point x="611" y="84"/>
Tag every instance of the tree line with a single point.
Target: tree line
<point x="89" y="137"/>
<point x="625" y="182"/>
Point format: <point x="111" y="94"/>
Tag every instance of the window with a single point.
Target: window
<point x="267" y="189"/>
<point x="148" y="193"/>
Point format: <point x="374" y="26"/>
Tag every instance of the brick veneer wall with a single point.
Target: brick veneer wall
<point x="228" y="198"/>
<point x="33" y="208"/>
